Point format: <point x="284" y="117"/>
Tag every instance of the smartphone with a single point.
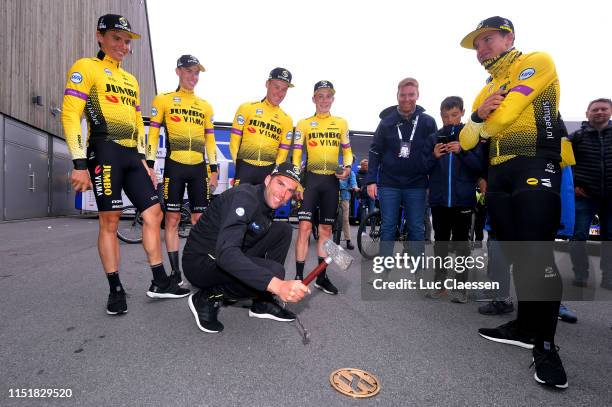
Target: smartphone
<point x="443" y="139"/>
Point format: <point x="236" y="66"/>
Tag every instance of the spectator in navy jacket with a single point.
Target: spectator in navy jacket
<point x="396" y="173"/>
<point x="453" y="174"/>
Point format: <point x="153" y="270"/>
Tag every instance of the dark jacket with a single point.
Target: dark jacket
<point x="593" y="153"/>
<point x="385" y="167"/>
<point x="452" y="177"/>
<point x="362" y="184"/>
<point x="233" y="223"/>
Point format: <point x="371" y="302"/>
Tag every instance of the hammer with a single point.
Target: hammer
<point x="336" y="254"/>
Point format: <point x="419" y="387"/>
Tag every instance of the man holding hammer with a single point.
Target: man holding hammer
<point x="236" y="251"/>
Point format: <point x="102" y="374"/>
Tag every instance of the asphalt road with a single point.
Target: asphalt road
<point x="54" y="333"/>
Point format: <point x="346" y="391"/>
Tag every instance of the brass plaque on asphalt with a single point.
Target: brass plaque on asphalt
<point x="355" y="383"/>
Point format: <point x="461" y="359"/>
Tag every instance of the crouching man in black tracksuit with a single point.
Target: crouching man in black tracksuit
<point x="236" y="251"/>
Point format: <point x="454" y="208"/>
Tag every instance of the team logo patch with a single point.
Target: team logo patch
<point x="532" y="181"/>
<point x="289" y="136"/>
<point x="123" y="21"/>
<point x="108" y="72"/>
<point x="176" y="99"/>
<point x="112" y="98"/>
<point x="154" y="111"/>
<point x="526" y="73"/>
<point x="175" y="118"/>
<point x="240" y="211"/>
<point x="314" y="124"/>
<point x="297" y="135"/>
<point x="259" y="111"/>
<point x="76" y="77"/>
<point x="240" y="119"/>
<point x="251" y="129"/>
<point x="312" y="143"/>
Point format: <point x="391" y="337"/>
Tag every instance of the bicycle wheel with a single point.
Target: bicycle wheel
<point x="185" y="223"/>
<point x="368" y="236"/>
<point x="130" y="225"/>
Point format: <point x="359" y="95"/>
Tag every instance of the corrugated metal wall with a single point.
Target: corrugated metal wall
<point x="41" y="39"/>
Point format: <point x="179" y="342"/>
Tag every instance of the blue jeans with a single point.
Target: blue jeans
<point x="413" y="200"/>
<point x="586" y="208"/>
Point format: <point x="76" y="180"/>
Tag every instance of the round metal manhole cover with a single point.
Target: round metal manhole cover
<point x="355" y="383"/>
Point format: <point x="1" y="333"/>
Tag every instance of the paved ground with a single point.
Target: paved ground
<point x="55" y="334"/>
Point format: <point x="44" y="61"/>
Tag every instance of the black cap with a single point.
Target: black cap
<point x="116" y="22"/>
<point x="188" y="60"/>
<point x="496" y="23"/>
<point x="324" y="85"/>
<point x="281" y="74"/>
<point x="288" y="170"/>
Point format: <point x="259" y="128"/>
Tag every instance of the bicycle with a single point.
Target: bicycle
<point x="369" y="232"/>
<point x="130" y="222"/>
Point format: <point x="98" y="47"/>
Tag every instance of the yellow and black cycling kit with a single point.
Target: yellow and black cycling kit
<point x="261" y="134"/>
<point x="110" y="98"/>
<point x="526" y="122"/>
<point x="189" y="123"/>
<point x="324" y="136"/>
<point x="114" y="147"/>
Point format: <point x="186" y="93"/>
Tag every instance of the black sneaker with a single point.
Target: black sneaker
<point x="205" y="308"/>
<point x="496" y="307"/>
<point x="567" y="315"/>
<point x="178" y="277"/>
<point x="116" y="304"/>
<point x="509" y="334"/>
<point x="172" y="290"/>
<point x="548" y="367"/>
<point x="325" y="285"/>
<point x="270" y="310"/>
<point x="349" y="245"/>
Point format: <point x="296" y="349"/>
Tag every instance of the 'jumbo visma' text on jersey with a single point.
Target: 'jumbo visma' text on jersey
<point x="526" y="123"/>
<point x="189" y="121"/>
<point x="110" y="98"/>
<point x="261" y="134"/>
<point x="323" y="135"/>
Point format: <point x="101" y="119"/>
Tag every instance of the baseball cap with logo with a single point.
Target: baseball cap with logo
<point x="288" y="170"/>
<point x="189" y="60"/>
<point x="116" y="22"/>
<point x="324" y="85"/>
<point x="281" y="74"/>
<point x="495" y="23"/>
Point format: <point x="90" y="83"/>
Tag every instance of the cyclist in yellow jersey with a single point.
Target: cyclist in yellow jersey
<point x="518" y="110"/>
<point x="261" y="133"/>
<point x="112" y="154"/>
<point x="190" y="135"/>
<point x="323" y="137"/>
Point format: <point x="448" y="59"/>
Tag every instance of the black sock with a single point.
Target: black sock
<point x="174" y="260"/>
<point x="114" y="282"/>
<point x="159" y="273"/>
<point x="299" y="270"/>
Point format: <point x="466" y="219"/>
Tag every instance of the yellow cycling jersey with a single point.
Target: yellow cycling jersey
<point x="526" y="122"/>
<point x="323" y="135"/>
<point x="110" y="98"/>
<point x="189" y="125"/>
<point x="261" y="134"/>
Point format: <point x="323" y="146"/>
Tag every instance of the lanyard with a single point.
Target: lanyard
<point x="399" y="132"/>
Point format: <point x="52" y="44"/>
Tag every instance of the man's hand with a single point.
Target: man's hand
<point x="289" y="290"/>
<point x="372" y="191"/>
<point x="490" y="104"/>
<point x="579" y="191"/>
<point x="151" y="172"/>
<point x="439" y="150"/>
<point x="80" y="180"/>
<point x="213" y="181"/>
<point x="345" y="173"/>
<point x="453" y="147"/>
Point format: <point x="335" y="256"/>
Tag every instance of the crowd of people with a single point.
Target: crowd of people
<point x="504" y="164"/>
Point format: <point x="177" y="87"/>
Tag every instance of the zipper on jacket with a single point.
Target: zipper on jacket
<point x="602" y="164"/>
